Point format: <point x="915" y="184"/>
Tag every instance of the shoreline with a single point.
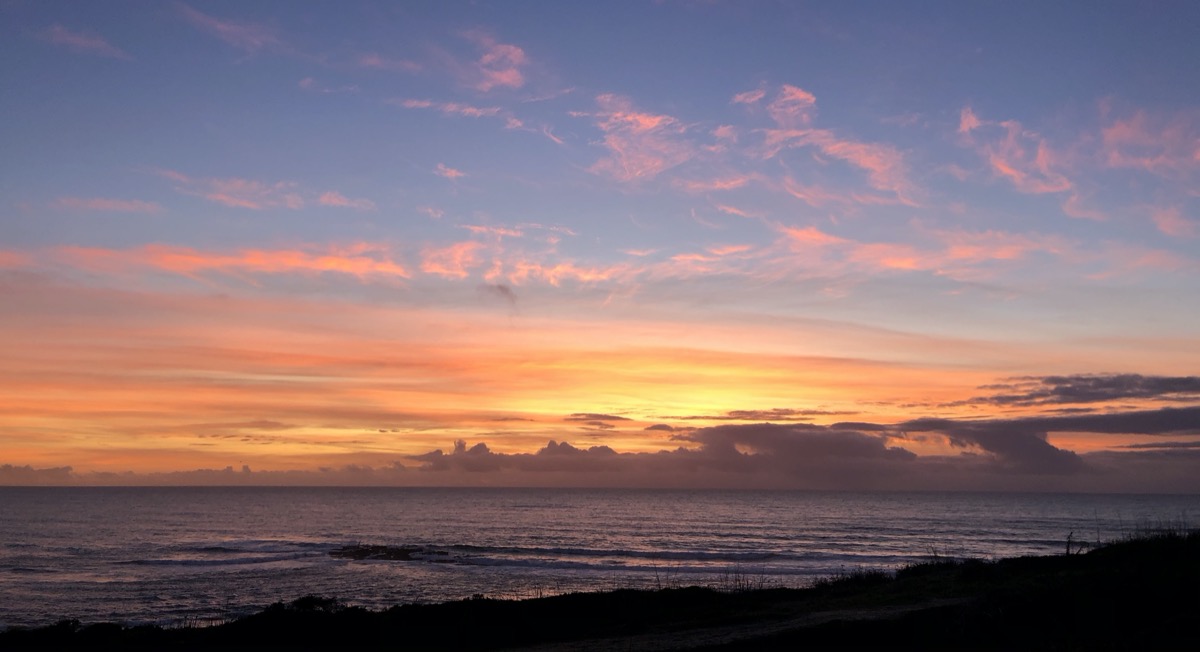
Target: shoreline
<point x="1139" y="592"/>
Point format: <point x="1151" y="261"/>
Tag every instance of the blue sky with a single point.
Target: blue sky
<point x="524" y="211"/>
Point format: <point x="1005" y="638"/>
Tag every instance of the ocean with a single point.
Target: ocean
<point x="193" y="555"/>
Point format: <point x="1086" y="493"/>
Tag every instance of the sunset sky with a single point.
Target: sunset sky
<point x="871" y="245"/>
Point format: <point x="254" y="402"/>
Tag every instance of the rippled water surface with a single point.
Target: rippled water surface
<point x="170" y="555"/>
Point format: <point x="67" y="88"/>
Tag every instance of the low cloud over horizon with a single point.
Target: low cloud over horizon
<point x="992" y="454"/>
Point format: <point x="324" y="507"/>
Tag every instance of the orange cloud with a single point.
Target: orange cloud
<point x="106" y="205"/>
<point x="84" y="43"/>
<point x="361" y="260"/>
<point x="454" y="261"/>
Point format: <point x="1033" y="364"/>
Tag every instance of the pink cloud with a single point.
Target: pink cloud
<point x="499" y="65"/>
<point x="1025" y="159"/>
<point x="443" y="170"/>
<point x="84" y="43"/>
<point x="884" y="164"/>
<point x="811" y="236"/>
<point x="967" y="121"/>
<point x="814" y="196"/>
<point x="548" y="133"/>
<point x="1127" y="257"/>
<point x="749" y="97"/>
<point x="13" y="259"/>
<point x="718" y="184"/>
<point x="378" y="62"/>
<point x="107" y="205"/>
<point x="339" y="200"/>
<point x="960" y="255"/>
<point x="641" y="145"/>
<point x="244" y="36"/>
<point x="1073" y="207"/>
<point x="889" y="255"/>
<point x="498" y="231"/>
<point x="728" y="250"/>
<point x="454" y="261"/>
<point x="1161" y="145"/>
<point x="734" y="210"/>
<point x="792" y="107"/>
<point x="980" y="246"/>
<point x="1171" y="222"/>
<point x="238" y="193"/>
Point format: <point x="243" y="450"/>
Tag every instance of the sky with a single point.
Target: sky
<point x="813" y="245"/>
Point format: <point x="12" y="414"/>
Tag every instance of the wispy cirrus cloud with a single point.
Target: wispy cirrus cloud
<point x="641" y="145"/>
<point x="338" y="200"/>
<point x="749" y="97"/>
<point x="793" y="111"/>
<point x="717" y="184"/>
<point x="1015" y="153"/>
<point x="956" y="254"/>
<point x="378" y="62"/>
<point x="248" y="37"/>
<point x="83" y="42"/>
<point x="105" y="204"/>
<point x="312" y="85"/>
<point x="450" y="108"/>
<point x="792" y="107"/>
<point x="238" y="193"/>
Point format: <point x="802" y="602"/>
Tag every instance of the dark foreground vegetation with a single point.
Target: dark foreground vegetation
<point x="1142" y="593"/>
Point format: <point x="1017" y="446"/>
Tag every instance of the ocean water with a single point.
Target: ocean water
<point x="202" y="555"/>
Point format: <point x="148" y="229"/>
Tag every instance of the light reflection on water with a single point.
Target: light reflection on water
<point x="162" y="555"/>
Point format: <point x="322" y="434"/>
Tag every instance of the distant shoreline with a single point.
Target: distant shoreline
<point x="1135" y="593"/>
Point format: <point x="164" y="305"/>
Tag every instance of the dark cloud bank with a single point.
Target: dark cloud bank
<point x="996" y="454"/>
